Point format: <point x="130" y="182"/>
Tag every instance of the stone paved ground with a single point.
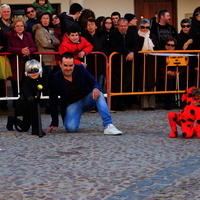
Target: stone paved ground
<point x="143" y="163"/>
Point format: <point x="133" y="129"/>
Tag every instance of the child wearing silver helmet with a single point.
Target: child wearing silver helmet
<point x="26" y="105"/>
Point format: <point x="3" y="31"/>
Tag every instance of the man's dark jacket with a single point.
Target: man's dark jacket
<point x="85" y="83"/>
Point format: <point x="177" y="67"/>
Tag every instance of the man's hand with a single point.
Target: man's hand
<point x="130" y="56"/>
<point x="95" y="93"/>
<point x="51" y="128"/>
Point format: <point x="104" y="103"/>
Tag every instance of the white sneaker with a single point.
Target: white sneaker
<point x="112" y="130"/>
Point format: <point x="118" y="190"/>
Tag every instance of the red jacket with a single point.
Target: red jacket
<point x="75" y="48"/>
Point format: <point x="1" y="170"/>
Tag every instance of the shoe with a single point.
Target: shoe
<point x="112" y="130"/>
<point x="10" y="123"/>
<point x="93" y="111"/>
<point x="151" y="108"/>
<point x="145" y="109"/>
<point x="113" y="111"/>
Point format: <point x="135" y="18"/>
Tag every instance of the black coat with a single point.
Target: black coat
<point x="149" y="67"/>
<point x="99" y="43"/>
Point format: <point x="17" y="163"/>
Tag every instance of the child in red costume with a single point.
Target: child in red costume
<point x="72" y="42"/>
<point x="188" y="117"/>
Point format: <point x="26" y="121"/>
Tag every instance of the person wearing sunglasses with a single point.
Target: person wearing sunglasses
<point x="184" y="38"/>
<point x="170" y="45"/>
<point x="56" y="26"/>
<point x="148" y="42"/>
<point x="31" y="15"/>
<point x="185" y="41"/>
<point x="27" y="103"/>
<point x="195" y="28"/>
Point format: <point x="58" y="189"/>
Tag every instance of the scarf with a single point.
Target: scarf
<point x="148" y="44"/>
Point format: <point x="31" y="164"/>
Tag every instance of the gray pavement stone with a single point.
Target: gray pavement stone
<point x="141" y="164"/>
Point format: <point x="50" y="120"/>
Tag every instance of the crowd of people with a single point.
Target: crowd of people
<point x="79" y="32"/>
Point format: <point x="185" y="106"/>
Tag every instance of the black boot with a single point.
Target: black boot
<point x="10" y="123"/>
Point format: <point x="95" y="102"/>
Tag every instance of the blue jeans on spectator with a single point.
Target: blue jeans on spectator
<point x="75" y="110"/>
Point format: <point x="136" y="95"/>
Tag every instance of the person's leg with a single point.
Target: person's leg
<point x="188" y="129"/>
<point x="73" y="116"/>
<point x="103" y="110"/>
<point x="174" y="120"/>
<point x="144" y="102"/>
<point x="152" y="101"/>
<point x="88" y="102"/>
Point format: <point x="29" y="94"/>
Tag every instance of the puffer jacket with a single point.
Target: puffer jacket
<point x="75" y="48"/>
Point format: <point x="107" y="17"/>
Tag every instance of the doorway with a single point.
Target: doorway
<point x="147" y="9"/>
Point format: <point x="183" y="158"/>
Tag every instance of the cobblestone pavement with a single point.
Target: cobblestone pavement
<point x="143" y="163"/>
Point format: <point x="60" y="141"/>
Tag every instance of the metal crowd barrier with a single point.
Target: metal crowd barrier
<point x="109" y="65"/>
<point x="177" y="55"/>
<point x="7" y="97"/>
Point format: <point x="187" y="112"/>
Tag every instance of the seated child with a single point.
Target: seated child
<point x="43" y="5"/>
<point x="189" y="118"/>
<point x="26" y="105"/>
<point x="72" y="42"/>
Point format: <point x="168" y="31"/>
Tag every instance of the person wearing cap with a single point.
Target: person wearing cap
<point x="132" y="21"/>
<point x="26" y="105"/>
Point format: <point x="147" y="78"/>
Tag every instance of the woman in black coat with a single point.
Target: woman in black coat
<point x="148" y="42"/>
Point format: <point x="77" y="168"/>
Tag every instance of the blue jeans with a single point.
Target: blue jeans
<point x="75" y="110"/>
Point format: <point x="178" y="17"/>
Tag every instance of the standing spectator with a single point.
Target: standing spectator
<point x="107" y="27"/>
<point x="19" y="42"/>
<point x="46" y="41"/>
<point x="154" y="20"/>
<point x="184" y="38"/>
<point x="79" y="92"/>
<point x="42" y="5"/>
<point x="132" y="21"/>
<point x="77" y="45"/>
<point x="71" y="19"/>
<point x="99" y="22"/>
<point x="56" y="26"/>
<point x="98" y="41"/>
<point x="148" y="42"/>
<point x="85" y="15"/>
<point x="31" y="15"/>
<point x="122" y="40"/>
<point x="185" y="42"/>
<point x="195" y="29"/>
<point x="115" y="17"/>
<point x="5" y="22"/>
<point x="163" y="29"/>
